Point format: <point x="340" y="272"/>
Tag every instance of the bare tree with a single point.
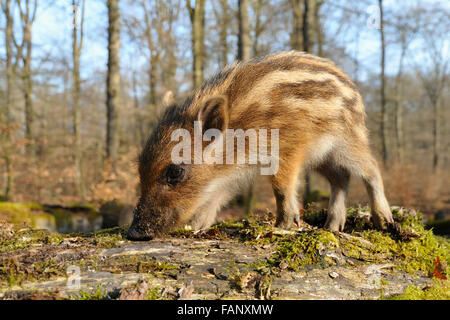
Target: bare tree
<point x="244" y="39"/>
<point x="77" y="46"/>
<point x="258" y="29"/>
<point x="197" y="16"/>
<point x="434" y="76"/>
<point x="297" y="24"/>
<point x="318" y="26"/>
<point x="5" y="114"/>
<point x="405" y="30"/>
<point x="223" y="17"/>
<point x="27" y="18"/>
<point x="384" y="114"/>
<point x="113" y="80"/>
<point x="306" y="26"/>
<point x="154" y="53"/>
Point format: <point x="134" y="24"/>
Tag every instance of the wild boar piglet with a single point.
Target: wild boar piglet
<point x="279" y="115"/>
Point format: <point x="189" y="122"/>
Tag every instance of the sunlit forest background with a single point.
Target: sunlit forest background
<point x="81" y="85"/>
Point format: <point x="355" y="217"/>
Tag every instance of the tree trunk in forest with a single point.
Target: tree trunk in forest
<point x="154" y="57"/>
<point x="113" y="81"/>
<point x="384" y="115"/>
<point x="28" y="93"/>
<point x="436" y="134"/>
<point x="305" y="27"/>
<point x="137" y="116"/>
<point x="296" y="34"/>
<point x="244" y="40"/>
<point x="318" y="26"/>
<point x="5" y="114"/>
<point x="27" y="17"/>
<point x="170" y="78"/>
<point x="223" y="33"/>
<point x="197" y="16"/>
<point x="399" y="104"/>
<point x="258" y="27"/>
<point x="77" y="45"/>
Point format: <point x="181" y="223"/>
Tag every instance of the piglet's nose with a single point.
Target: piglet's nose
<point x="135" y="235"/>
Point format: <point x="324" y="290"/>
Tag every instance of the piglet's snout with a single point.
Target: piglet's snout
<point x="135" y="235"/>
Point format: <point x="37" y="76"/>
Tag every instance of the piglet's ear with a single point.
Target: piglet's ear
<point x="214" y="113"/>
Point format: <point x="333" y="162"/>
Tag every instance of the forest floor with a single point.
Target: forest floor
<point x="235" y="259"/>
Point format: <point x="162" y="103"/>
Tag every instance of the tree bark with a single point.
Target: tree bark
<point x="297" y="25"/>
<point x="305" y="27"/>
<point x="197" y="16"/>
<point x="244" y="40"/>
<point x="113" y="81"/>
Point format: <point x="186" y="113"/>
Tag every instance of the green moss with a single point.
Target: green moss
<point x="106" y="238"/>
<point x="14" y="273"/>
<point x="25" y="238"/>
<point x="182" y="232"/>
<point x="415" y="255"/>
<point x="440" y="290"/>
<point x="154" y="293"/>
<point x="98" y="294"/>
<point x="303" y="249"/>
<point x="23" y="213"/>
<point x="130" y="263"/>
<point x="84" y="205"/>
<point x="235" y="278"/>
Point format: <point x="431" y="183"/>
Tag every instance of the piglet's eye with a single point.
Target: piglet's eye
<point x="174" y="174"/>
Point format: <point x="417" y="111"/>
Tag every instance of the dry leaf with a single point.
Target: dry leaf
<point x="137" y="291"/>
<point x="439" y="267"/>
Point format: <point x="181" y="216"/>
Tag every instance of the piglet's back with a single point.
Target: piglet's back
<point x="281" y="88"/>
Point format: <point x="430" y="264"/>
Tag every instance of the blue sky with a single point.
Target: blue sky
<point x="52" y="34"/>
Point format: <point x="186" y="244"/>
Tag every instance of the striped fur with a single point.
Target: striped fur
<point x="321" y="119"/>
